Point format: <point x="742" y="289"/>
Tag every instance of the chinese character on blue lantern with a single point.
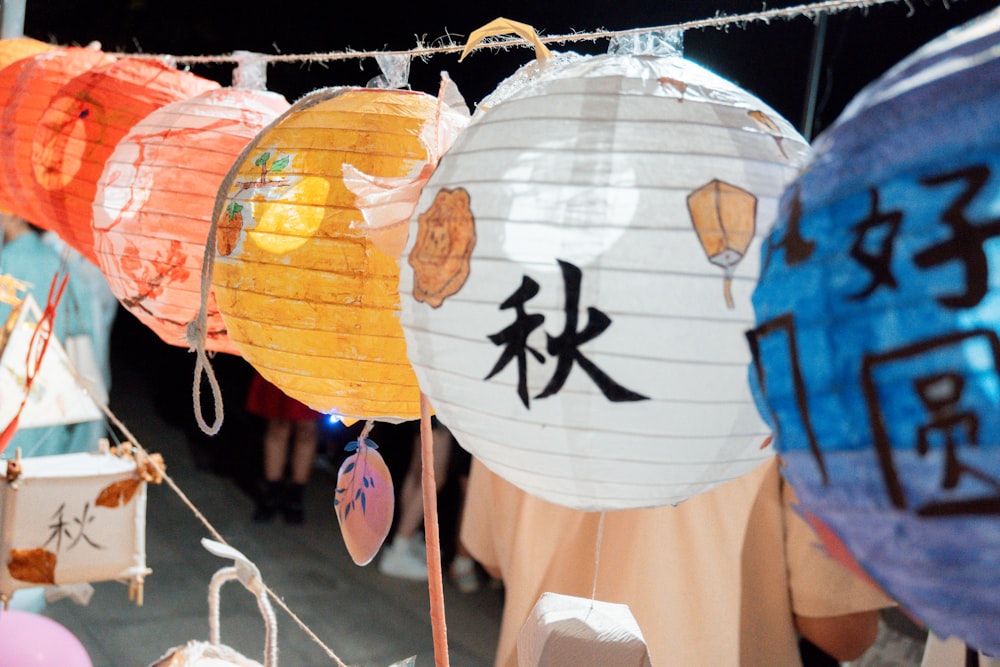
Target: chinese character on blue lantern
<point x="877" y="337"/>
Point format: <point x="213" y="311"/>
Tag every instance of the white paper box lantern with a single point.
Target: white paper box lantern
<point x="577" y="280"/>
<point x="565" y="630"/>
<point x="72" y="518"/>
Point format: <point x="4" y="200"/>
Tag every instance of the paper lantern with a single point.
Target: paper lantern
<point x="79" y="130"/>
<point x="567" y="630"/>
<point x="578" y="279"/>
<point x="31" y="640"/>
<point x="28" y="88"/>
<point x="16" y="48"/>
<point x="306" y="295"/>
<point x="72" y="518"/>
<point x="876" y="343"/>
<point x="154" y="200"/>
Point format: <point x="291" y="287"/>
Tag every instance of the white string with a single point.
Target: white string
<point x="719" y="21"/>
<point x="597" y="557"/>
<point x="198" y="327"/>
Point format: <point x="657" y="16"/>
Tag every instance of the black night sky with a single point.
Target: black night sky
<point x="770" y="60"/>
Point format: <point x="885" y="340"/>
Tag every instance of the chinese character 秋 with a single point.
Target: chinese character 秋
<point x="564" y="347"/>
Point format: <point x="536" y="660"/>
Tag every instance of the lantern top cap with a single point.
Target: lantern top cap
<point x="251" y="71"/>
<point x="661" y="43"/>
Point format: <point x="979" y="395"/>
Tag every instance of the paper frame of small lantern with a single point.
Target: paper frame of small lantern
<point x="72" y="518"/>
<point x="56" y="396"/>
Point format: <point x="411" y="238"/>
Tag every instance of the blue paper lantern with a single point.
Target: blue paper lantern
<point x="877" y="338"/>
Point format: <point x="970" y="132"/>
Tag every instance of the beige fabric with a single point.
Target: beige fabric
<point x="699" y="597"/>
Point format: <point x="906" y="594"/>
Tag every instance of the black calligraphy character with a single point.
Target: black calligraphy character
<point x="515" y="337"/>
<point x="966" y="242"/>
<point x="940" y="394"/>
<point x="797" y="248"/>
<point x="81" y="523"/>
<point x="58" y="528"/>
<point x="878" y="228"/>
<point x="565" y="346"/>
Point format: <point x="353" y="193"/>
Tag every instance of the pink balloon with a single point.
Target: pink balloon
<point x="33" y="640"/>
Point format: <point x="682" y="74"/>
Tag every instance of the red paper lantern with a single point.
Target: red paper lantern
<point x="27" y="89"/>
<point x="153" y="206"/>
<point x="82" y="126"/>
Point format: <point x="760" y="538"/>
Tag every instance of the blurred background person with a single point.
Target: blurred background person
<point x="290" y="440"/>
<point x="732" y="576"/>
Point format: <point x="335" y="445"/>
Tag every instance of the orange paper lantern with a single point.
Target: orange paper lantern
<point x="81" y="128"/>
<point x="306" y="294"/>
<point x="153" y="206"/>
<point x="27" y="90"/>
<point x="16" y="48"/>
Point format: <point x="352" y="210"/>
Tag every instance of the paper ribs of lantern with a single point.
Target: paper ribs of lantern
<point x="307" y="296"/>
<point x="154" y="200"/>
<point x="28" y="89"/>
<point x="79" y="130"/>
<point x="562" y="297"/>
<point x="73" y="518"/>
<point x="876" y="343"/>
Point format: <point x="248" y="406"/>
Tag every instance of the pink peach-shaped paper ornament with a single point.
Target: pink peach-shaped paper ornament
<point x="364" y="500"/>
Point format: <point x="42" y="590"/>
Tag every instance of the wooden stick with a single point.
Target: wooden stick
<point x="435" y="583"/>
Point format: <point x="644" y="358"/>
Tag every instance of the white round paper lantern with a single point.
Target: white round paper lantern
<point x="576" y="285"/>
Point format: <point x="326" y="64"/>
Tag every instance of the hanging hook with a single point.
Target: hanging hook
<point x="502" y="26"/>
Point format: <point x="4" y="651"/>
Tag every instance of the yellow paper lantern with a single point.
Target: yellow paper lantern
<point x="306" y="294"/>
<point x="80" y="129"/>
<point x="27" y="90"/>
<point x="16" y="48"/>
<point x="154" y="201"/>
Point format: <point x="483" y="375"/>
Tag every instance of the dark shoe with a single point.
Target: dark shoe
<point x="268" y="503"/>
<point x="292" y="505"/>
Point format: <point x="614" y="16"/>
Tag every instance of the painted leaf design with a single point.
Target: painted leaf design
<point x="262" y="160"/>
<point x="36" y="566"/>
<point x="365" y="502"/>
<point x="118" y="493"/>
<point x="280" y="164"/>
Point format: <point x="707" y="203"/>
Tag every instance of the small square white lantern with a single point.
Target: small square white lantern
<point x="72" y="518"/>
